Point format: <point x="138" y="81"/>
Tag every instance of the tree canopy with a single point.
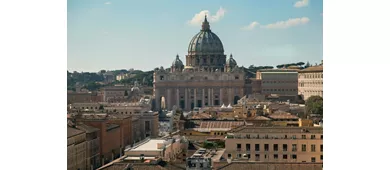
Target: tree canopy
<point x="314" y="105"/>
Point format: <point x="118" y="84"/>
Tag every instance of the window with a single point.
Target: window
<point x="265" y="156"/>
<point x="265" y="147"/>
<point x="294" y="137"/>
<point x="275" y="147"/>
<point x="294" y="147"/>
<point x="313" y="148"/>
<point x="161" y="77"/>
<point x="312" y="136"/>
<point x="249" y="156"/>
<point x="257" y="147"/>
<point x="236" y="77"/>
<point x="275" y="156"/>
<point x="321" y="148"/>
<point x="229" y="155"/>
<point x="294" y="156"/>
<point x="190" y="134"/>
<point x="313" y="159"/>
<point x="248" y="147"/>
<point x="303" y="148"/>
<point x="303" y="136"/>
<point x="257" y="157"/>
<point x="239" y="155"/>
<point x="322" y="137"/>
<point x="322" y="158"/>
<point x="238" y="147"/>
<point x="284" y="156"/>
<point x="284" y="147"/>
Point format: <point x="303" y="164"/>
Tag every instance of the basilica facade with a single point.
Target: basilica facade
<point x="208" y="78"/>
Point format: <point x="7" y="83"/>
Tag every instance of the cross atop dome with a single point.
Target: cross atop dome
<point x="205" y="24"/>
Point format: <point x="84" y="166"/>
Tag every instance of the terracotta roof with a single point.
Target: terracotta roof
<point x="259" y="118"/>
<point x="74" y="132"/>
<point x="220" y="124"/>
<point x="283" y="116"/>
<point x="86" y="128"/>
<point x="155" y="167"/>
<point x="318" y="68"/>
<point x="273" y="165"/>
<point x="201" y="116"/>
<point x="118" y="166"/>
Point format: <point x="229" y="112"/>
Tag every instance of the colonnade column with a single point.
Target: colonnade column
<point x="230" y="91"/>
<point x="209" y="96"/>
<point x="195" y="100"/>
<point x="221" y="96"/>
<point x="212" y="97"/>
<point x="186" y="98"/>
<point x="168" y="103"/>
<point x="177" y="98"/>
<point x="157" y="98"/>
<point x="203" y="97"/>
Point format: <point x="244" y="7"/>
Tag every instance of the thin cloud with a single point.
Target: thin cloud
<point x="251" y="26"/>
<point x="199" y="17"/>
<point x="301" y="3"/>
<point x="288" y="23"/>
<point x="108" y="3"/>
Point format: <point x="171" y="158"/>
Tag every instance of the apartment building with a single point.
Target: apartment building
<point x="275" y="144"/>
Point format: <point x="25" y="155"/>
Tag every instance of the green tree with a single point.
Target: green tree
<point x="300" y="63"/>
<point x="314" y="105"/>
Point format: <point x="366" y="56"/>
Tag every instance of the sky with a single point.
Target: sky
<point x="143" y="35"/>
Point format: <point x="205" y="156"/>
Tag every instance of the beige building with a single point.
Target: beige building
<point x="275" y="144"/>
<point x="278" y="81"/>
<point x="272" y="165"/>
<point x="310" y="82"/>
<point x="76" y="149"/>
<point x="207" y="79"/>
<point x="166" y="149"/>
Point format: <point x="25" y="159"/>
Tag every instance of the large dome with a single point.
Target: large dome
<point x="205" y="41"/>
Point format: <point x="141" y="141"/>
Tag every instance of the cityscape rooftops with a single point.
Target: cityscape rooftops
<point x="272" y="165"/>
<point x="150" y="145"/>
<point x="73" y="132"/>
<point x="281" y="116"/>
<point x="86" y="128"/>
<point x="279" y="130"/>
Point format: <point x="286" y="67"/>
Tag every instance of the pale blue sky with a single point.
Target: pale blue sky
<point x="123" y="34"/>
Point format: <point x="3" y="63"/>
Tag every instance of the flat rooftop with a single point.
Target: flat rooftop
<point x="150" y="145"/>
<point x="279" y="130"/>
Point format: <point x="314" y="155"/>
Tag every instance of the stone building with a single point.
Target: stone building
<point x="92" y="145"/>
<point x="277" y="81"/>
<point x="310" y="82"/>
<point x="206" y="79"/>
<point x="76" y="149"/>
<point x="275" y="144"/>
<point x="110" y="135"/>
